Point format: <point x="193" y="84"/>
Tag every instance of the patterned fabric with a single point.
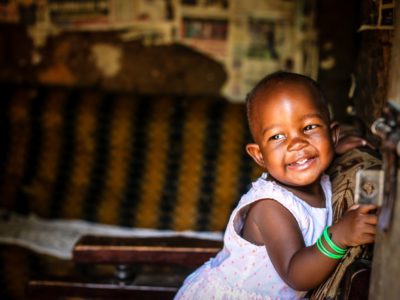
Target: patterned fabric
<point x="159" y="162"/>
<point x="343" y="173"/>
<point x="242" y="270"/>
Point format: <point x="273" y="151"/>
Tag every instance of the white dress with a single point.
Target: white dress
<point x="242" y="270"/>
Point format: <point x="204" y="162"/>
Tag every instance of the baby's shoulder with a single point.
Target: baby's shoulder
<point x="263" y="188"/>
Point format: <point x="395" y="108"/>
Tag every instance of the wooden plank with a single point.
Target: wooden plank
<point x="386" y="261"/>
<point x="394" y="80"/>
<point x="183" y="251"/>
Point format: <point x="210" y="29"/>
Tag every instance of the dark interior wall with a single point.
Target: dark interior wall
<point x="362" y="54"/>
<point x="68" y="59"/>
<point x="371" y="70"/>
<point x="15" y="53"/>
<point x="372" y="73"/>
<point x="337" y="22"/>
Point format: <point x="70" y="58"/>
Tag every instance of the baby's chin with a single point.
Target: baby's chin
<point x="299" y="181"/>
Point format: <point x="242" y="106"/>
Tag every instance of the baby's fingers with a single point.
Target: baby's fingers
<point x="371" y="219"/>
<point x="365" y="235"/>
<point x="370" y="229"/>
<point x="353" y="207"/>
<point x="367" y="208"/>
<point x="368" y="238"/>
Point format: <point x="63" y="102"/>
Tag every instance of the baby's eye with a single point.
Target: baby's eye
<point x="277" y="137"/>
<point x="310" y="127"/>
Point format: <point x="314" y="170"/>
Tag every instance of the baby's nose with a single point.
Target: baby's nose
<point x="297" y="143"/>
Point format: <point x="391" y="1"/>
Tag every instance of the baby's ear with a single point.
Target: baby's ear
<point x="335" y="130"/>
<point x="254" y="151"/>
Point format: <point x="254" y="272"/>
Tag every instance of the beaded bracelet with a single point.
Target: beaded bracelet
<point x="331" y="243"/>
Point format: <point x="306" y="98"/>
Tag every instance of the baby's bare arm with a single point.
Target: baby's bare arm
<point x="302" y="267"/>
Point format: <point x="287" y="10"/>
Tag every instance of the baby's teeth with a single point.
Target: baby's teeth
<point x="302" y="161"/>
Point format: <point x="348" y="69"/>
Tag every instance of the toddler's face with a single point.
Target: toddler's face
<point x="294" y="141"/>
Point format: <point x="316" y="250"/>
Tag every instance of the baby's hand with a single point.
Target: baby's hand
<point x="356" y="227"/>
<point x="350" y="142"/>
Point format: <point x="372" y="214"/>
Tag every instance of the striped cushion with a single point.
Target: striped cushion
<point x="152" y="161"/>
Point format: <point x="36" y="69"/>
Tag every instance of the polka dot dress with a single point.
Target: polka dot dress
<point x="242" y="270"/>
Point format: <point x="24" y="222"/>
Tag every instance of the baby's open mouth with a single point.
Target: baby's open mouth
<point x="302" y="163"/>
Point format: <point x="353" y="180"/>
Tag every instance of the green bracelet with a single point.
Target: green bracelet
<point x="327" y="253"/>
<point x="331" y="244"/>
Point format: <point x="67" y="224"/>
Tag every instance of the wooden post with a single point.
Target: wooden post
<point x="386" y="262"/>
<point x="394" y="80"/>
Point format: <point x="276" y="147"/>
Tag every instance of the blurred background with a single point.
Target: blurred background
<point x="201" y="46"/>
<point x="130" y="113"/>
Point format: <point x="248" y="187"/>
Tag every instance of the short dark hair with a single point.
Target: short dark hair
<point x="272" y="79"/>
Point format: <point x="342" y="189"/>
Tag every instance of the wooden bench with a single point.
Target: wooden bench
<point x="163" y="264"/>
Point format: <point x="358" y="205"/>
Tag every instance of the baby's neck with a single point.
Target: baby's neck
<point x="312" y="194"/>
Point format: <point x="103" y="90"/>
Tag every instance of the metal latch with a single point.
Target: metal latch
<point x="388" y="129"/>
<point x="369" y="187"/>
